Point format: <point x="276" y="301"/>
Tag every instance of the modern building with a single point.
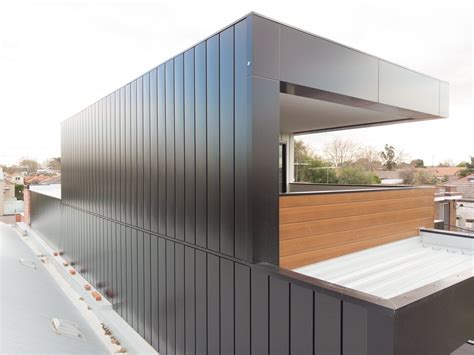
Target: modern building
<point x="177" y="203"/>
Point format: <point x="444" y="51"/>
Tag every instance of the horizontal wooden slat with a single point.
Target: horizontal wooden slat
<point x="305" y="244"/>
<point x="303" y="229"/>
<point x="334" y="198"/>
<point x="314" y="256"/>
<point x="311" y="213"/>
<point x="316" y="227"/>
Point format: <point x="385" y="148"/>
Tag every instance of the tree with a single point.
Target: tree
<point x="54" y="163"/>
<point x="417" y="163"/>
<point x="357" y="176"/>
<point x="389" y="157"/>
<point x="423" y="177"/>
<point x="340" y="151"/>
<point x="368" y="159"/>
<point x="468" y="168"/>
<point x="30" y="165"/>
<point x="446" y="163"/>
<point x="408" y="176"/>
<point x="310" y="167"/>
<point x="19" y="191"/>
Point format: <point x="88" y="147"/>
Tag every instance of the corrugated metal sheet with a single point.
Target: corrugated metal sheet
<point x="395" y="268"/>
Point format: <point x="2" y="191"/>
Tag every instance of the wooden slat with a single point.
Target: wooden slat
<point x="303" y="229"/>
<point x="321" y="226"/>
<point x="334" y="198"/>
<point x="314" y="256"/>
<point x="311" y="213"/>
<point x="301" y="245"/>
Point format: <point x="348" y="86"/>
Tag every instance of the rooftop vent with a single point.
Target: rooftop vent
<point x="27" y="263"/>
<point x="66" y="327"/>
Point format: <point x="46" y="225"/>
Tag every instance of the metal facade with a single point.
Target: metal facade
<point x="170" y="204"/>
<point x="46" y="218"/>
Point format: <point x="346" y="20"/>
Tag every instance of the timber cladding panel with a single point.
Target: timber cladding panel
<point x="315" y="227"/>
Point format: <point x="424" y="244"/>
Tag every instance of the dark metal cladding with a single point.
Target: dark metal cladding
<point x="170" y="206"/>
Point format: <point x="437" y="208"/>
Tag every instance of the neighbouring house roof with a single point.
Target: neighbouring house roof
<point x="37" y="179"/>
<point x="443" y="171"/>
<point x="465" y="186"/>
<point x="51" y="180"/>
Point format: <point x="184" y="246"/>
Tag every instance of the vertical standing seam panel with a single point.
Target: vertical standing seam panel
<point x="133" y="152"/>
<point x="201" y="303"/>
<point x="154" y="151"/>
<point x="141" y="283"/>
<point x="180" y="298"/>
<point x="116" y="156"/>
<point x="162" y="150"/>
<point x="135" y="271"/>
<point x="128" y="165"/>
<point x="154" y="274"/>
<point x="162" y="296"/>
<point x="170" y="298"/>
<point x="213" y="148"/>
<point x="242" y="308"/>
<point x="354" y="329"/>
<point x="108" y="160"/>
<point x="227" y="305"/>
<point x="189" y="148"/>
<point x="327" y="324"/>
<point x="301" y="320"/>
<point x="130" y="276"/>
<point x="190" y="300"/>
<point x="241" y="136"/>
<point x="259" y="310"/>
<point x="147" y="191"/>
<point x="201" y="144"/>
<point x="113" y="253"/>
<point x="213" y="304"/>
<point x="226" y="140"/>
<point x="279" y="331"/>
<point x="140" y="154"/>
<point x="170" y="150"/>
<point x="123" y="167"/>
<point x="180" y="187"/>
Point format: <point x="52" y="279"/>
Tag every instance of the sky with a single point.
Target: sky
<point x="57" y="57"/>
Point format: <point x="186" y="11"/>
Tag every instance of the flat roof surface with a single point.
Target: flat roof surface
<point x="29" y="299"/>
<point x="53" y="190"/>
<point x="393" y="269"/>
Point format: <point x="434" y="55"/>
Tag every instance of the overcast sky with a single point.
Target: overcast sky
<point x="56" y="57"/>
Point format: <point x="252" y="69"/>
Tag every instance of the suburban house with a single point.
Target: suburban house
<point x="177" y="205"/>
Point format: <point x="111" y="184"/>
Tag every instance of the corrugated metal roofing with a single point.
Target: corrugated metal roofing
<point x="395" y="268"/>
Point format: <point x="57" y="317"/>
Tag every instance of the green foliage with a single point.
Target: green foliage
<point x="30" y="165"/>
<point x="468" y="168"/>
<point x="311" y="168"/>
<point x="408" y="176"/>
<point x="357" y="176"/>
<point x="417" y="163"/>
<point x="423" y="177"/>
<point x="19" y="191"/>
<point x="389" y="157"/>
<point x="55" y="163"/>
